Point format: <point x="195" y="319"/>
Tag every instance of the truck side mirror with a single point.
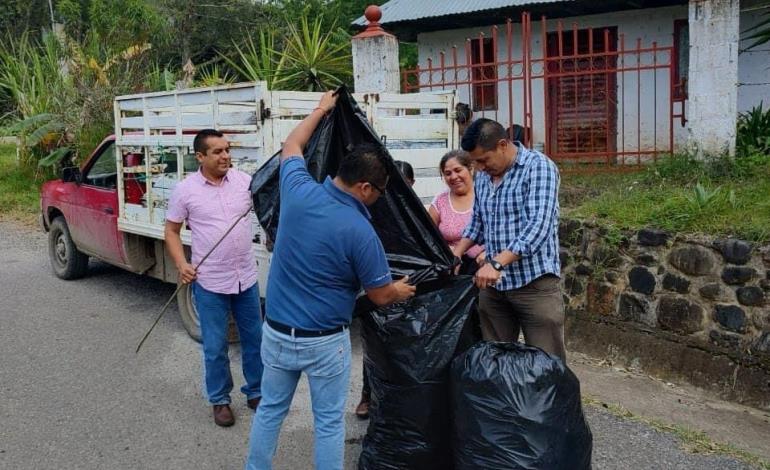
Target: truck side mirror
<point x="70" y="174"/>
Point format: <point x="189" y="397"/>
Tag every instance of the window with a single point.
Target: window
<point x="484" y="77"/>
<point x="681" y="59"/>
<point x="103" y="172"/>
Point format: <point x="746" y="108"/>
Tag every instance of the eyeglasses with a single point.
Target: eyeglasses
<point x="381" y="190"/>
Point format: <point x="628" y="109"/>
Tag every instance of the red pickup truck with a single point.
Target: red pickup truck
<point x="80" y="213"/>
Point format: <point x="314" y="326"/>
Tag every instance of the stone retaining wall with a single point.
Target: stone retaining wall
<point x="704" y="294"/>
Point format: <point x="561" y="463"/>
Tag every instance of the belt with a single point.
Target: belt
<point x="300" y="333"/>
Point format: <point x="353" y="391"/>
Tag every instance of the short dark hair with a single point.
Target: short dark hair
<point x="405" y="168"/>
<point x="462" y="158"/>
<point x="199" y="143"/>
<point x="463" y="112"/>
<point x="365" y="163"/>
<point x="484" y="133"/>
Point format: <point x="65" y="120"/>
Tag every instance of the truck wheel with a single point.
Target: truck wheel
<point x="66" y="260"/>
<point x="190" y="318"/>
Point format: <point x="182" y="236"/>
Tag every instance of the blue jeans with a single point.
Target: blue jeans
<point x="326" y="362"/>
<point x="214" y="312"/>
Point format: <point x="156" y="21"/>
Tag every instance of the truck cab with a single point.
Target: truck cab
<point x="80" y="212"/>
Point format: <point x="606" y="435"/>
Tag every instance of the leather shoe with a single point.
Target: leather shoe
<point x="362" y="410"/>
<point x="253" y="403"/>
<point x="223" y="415"/>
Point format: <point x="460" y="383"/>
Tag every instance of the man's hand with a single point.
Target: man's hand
<point x="295" y="142"/>
<point x="404" y="290"/>
<point x="328" y="101"/>
<point x="187" y="273"/>
<point x="396" y="291"/>
<point x="481" y="259"/>
<point x="487" y="276"/>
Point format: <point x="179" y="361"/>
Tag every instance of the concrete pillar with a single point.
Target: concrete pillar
<point x="713" y="76"/>
<point x="375" y="57"/>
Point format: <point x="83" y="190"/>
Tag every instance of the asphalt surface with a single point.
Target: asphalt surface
<point x="74" y="395"/>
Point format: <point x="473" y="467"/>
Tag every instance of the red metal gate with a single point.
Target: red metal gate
<point x="581" y="95"/>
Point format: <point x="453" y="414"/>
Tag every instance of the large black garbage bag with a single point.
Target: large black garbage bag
<point x="517" y="407"/>
<point x="411" y="240"/>
<point x="408" y="349"/>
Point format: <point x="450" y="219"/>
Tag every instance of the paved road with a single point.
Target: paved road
<point x="74" y="395"/>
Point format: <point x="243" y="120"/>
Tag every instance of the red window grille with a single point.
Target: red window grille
<point x="484" y="76"/>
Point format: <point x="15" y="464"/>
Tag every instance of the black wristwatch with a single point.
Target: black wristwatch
<point x="496" y="265"/>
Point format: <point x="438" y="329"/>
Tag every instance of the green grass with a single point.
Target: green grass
<point x="693" y="441"/>
<point x="717" y="197"/>
<point x="19" y="188"/>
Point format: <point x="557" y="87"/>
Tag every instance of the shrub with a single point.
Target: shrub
<point x="753" y="132"/>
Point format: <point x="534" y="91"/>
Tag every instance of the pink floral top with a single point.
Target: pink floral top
<point x="452" y="223"/>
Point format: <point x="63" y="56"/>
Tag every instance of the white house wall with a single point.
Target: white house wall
<point x="753" y="65"/>
<point x="649" y="108"/>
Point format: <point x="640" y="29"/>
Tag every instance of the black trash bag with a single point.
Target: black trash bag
<point x="517" y="407"/>
<point x="410" y="238"/>
<point x="408" y="350"/>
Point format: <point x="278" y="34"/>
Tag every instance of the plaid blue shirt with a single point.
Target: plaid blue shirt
<point x="520" y="215"/>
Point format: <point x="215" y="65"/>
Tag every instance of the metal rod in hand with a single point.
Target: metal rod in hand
<point x="168" y="302"/>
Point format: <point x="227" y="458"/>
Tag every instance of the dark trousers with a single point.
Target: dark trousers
<point x="537" y="309"/>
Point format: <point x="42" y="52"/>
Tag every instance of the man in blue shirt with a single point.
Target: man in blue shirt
<point x="516" y="216"/>
<point x="325" y="250"/>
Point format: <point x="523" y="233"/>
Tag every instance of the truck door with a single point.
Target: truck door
<point x="95" y="225"/>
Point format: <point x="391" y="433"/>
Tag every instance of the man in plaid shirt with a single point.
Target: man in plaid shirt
<point x="516" y="216"/>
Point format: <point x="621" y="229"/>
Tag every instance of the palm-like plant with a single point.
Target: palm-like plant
<point x="213" y="75"/>
<point x="315" y="60"/>
<point x="257" y="61"/>
<point x="761" y="31"/>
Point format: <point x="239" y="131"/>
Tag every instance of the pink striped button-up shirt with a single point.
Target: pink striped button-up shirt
<point x="209" y="210"/>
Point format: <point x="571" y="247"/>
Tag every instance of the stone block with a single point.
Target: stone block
<point x="734" y="251"/>
<point x="612" y="276"/>
<point x="679" y="315"/>
<point x="646" y="259"/>
<point x="737" y="274"/>
<point x="641" y="280"/>
<point x="676" y="283"/>
<point x="765" y="284"/>
<point x="573" y="285"/>
<point x="651" y="237"/>
<point x="693" y="260"/>
<point x="633" y="307"/>
<point x="728" y="340"/>
<point x="762" y="343"/>
<point x="570" y="232"/>
<point x="601" y="298"/>
<point x="712" y="291"/>
<point x="564" y="258"/>
<point x="751" y="295"/>
<point x="583" y="269"/>
<point x="731" y="317"/>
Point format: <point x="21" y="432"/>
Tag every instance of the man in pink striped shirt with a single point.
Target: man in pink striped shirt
<point x="211" y="200"/>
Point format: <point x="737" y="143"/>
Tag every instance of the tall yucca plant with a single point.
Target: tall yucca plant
<point x="255" y="61"/>
<point x="314" y="60"/>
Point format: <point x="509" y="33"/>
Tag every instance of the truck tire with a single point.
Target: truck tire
<point x="66" y="260"/>
<point x="190" y="319"/>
